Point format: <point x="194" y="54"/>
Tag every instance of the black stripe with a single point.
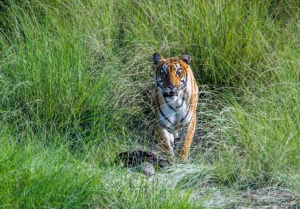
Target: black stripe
<point x="172" y="108"/>
<point x="161" y="112"/>
<point x="186" y="78"/>
<point x="157" y="79"/>
<point x="187" y="113"/>
<point x="170" y="130"/>
<point x="185" y="82"/>
<point x="183" y="100"/>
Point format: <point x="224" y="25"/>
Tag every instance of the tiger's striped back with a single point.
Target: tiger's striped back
<point x="176" y="100"/>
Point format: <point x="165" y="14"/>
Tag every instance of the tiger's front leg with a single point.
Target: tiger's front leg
<point x="165" y="141"/>
<point x="188" y="138"/>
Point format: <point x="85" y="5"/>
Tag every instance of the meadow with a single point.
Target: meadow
<point x="75" y="89"/>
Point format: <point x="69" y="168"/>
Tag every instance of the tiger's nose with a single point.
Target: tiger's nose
<point x="171" y="86"/>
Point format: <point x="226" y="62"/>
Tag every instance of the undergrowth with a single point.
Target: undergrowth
<point x="76" y="84"/>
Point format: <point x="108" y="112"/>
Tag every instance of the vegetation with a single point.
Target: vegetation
<point x="75" y="88"/>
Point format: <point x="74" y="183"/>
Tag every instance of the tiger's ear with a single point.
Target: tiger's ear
<point x="186" y="58"/>
<point x="156" y="58"/>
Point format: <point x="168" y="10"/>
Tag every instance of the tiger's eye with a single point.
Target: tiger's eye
<point x="178" y="72"/>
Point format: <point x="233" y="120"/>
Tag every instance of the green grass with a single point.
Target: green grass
<point x="75" y="89"/>
<point x="34" y="176"/>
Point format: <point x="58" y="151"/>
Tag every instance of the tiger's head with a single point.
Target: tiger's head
<point x="171" y="73"/>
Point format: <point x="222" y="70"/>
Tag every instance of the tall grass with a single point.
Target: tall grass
<point x="76" y="87"/>
<point x="56" y="82"/>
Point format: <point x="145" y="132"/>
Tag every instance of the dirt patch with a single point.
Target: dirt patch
<point x="271" y="198"/>
<point x="265" y="198"/>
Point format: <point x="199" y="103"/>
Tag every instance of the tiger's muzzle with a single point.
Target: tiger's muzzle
<point x="170" y="90"/>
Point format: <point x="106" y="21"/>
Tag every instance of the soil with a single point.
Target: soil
<point x="270" y="198"/>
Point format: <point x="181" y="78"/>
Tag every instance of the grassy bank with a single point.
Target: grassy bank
<point x="75" y="88"/>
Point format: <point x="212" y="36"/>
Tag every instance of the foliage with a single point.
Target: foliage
<point x="76" y="86"/>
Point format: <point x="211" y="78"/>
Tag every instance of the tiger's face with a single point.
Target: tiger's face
<point x="171" y="74"/>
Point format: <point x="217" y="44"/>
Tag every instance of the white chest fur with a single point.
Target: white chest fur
<point x="173" y="112"/>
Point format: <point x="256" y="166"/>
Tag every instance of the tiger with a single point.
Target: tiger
<point x="176" y="100"/>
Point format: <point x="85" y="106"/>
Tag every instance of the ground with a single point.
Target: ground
<point x="184" y="176"/>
